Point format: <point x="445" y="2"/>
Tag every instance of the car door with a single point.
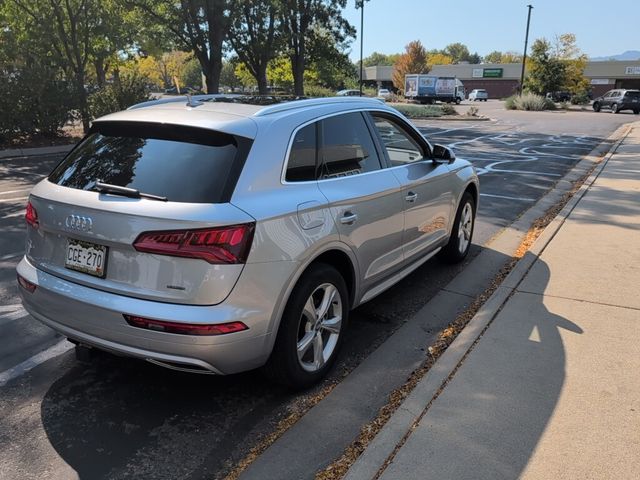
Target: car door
<point x="606" y="100"/>
<point x="365" y="198"/>
<point x="427" y="185"/>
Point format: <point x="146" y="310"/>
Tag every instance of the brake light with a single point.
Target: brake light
<point x="26" y="284"/>
<point x="185" y="328"/>
<point x="31" y="216"/>
<point x="220" y="245"/>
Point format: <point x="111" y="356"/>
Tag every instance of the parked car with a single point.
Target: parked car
<point x="478" y="94"/>
<point x="559" y="96"/>
<point x="218" y="237"/>
<point x="348" y="93"/>
<point x="618" y="100"/>
<point x="384" y="93"/>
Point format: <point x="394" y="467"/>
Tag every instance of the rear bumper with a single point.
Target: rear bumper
<point x="95" y="318"/>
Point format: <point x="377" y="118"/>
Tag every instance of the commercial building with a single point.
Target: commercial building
<point x="502" y="79"/>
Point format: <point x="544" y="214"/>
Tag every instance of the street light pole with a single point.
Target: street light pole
<point x="524" y="56"/>
<point x="360" y="5"/>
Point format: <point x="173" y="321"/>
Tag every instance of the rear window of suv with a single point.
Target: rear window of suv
<point x="180" y="163"/>
<point x="632" y="94"/>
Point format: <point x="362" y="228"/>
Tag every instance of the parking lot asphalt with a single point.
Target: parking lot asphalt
<point x="119" y="418"/>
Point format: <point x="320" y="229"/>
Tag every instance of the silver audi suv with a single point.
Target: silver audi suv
<point x="210" y="235"/>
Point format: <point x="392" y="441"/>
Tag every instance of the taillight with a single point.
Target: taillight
<point x="26" y="284"/>
<point x="185" y="328"/>
<point x="218" y="245"/>
<point x="31" y="216"/>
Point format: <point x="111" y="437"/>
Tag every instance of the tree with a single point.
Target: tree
<point x="253" y="36"/>
<point x="298" y="17"/>
<point x="575" y="61"/>
<point x="198" y="26"/>
<point x="493" y="57"/>
<point x="558" y="66"/>
<point x="380" y="59"/>
<point x="69" y="28"/>
<point x="503" y="57"/>
<point x="458" y="52"/>
<point x="546" y="72"/>
<point x="438" y="59"/>
<point x="414" y="60"/>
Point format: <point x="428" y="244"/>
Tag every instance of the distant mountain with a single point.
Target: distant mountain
<point x="628" y="55"/>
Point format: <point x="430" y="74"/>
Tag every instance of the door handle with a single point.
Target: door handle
<point x="411" y="197"/>
<point x="348" y="218"/>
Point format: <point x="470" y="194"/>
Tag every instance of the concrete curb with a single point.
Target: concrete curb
<point x="31" y="152"/>
<point x="416" y="405"/>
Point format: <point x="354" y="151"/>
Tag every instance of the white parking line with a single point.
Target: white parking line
<point x="11" y="215"/>
<point x="14" y="199"/>
<point x="9" y="313"/>
<point x="523" y="199"/>
<point x="58" y="349"/>
<point x="25" y="189"/>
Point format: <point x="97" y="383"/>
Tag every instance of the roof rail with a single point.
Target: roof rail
<point x="282" y="107"/>
<point x="190" y="100"/>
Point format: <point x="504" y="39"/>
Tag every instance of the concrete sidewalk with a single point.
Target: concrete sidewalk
<point x="552" y="388"/>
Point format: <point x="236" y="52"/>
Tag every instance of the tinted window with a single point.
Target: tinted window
<point x="180" y="163"/>
<point x="632" y="95"/>
<point x="347" y="147"/>
<point x="400" y="147"/>
<point x="302" y="158"/>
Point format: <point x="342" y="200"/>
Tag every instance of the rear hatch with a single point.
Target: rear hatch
<point x="142" y="210"/>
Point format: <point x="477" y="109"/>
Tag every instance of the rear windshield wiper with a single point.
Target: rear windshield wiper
<point x="125" y="191"/>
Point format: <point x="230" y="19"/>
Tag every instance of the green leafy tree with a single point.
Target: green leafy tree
<point x="298" y="19"/>
<point x="458" y="52"/>
<point x="546" y="73"/>
<point x="414" y="60"/>
<point x="493" y="57"/>
<point x="253" y="36"/>
<point x="380" y="59"/>
<point x="197" y="26"/>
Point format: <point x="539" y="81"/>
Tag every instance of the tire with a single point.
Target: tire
<point x="596" y="107"/>
<point x="614" y="108"/>
<point x="307" y="346"/>
<point x="462" y="232"/>
<point x="458" y="101"/>
<point x="636" y="111"/>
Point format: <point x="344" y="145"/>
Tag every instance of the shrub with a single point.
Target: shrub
<point x="472" y="112"/>
<point x="419" y="111"/>
<point x="564" y="105"/>
<point x="529" y="101"/>
<point x="448" y="109"/>
<point x="510" y="103"/>
<point x="317" y="91"/>
<point x="34" y="100"/>
<point x="580" y="99"/>
<point x="119" y="95"/>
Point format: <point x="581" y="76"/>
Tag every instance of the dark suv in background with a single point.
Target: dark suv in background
<point x="618" y="100"/>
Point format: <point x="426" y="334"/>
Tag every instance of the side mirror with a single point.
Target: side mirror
<point x="442" y="154"/>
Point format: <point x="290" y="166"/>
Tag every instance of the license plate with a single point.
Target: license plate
<point x="86" y="257"/>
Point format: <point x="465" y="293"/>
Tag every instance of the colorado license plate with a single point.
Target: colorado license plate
<point x="86" y="257"/>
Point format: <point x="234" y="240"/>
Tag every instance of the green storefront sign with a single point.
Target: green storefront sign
<point x="492" y="73"/>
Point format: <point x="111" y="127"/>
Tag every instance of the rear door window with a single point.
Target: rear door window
<point x="181" y="163"/>
<point x="346" y="147"/>
<point x="632" y="95"/>
<point x="302" y="164"/>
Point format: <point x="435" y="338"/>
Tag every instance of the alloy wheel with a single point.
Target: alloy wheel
<point x="320" y="327"/>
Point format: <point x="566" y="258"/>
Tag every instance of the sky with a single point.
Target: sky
<point x="490" y="25"/>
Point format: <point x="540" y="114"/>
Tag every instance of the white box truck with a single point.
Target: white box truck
<point x="429" y="88"/>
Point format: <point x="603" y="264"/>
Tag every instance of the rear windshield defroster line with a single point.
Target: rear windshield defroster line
<point x="183" y="164"/>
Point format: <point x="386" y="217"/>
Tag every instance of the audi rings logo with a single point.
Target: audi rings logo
<point x="76" y="222"/>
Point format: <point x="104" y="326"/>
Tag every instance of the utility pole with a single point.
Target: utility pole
<point x="360" y="5"/>
<point x="524" y="56"/>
